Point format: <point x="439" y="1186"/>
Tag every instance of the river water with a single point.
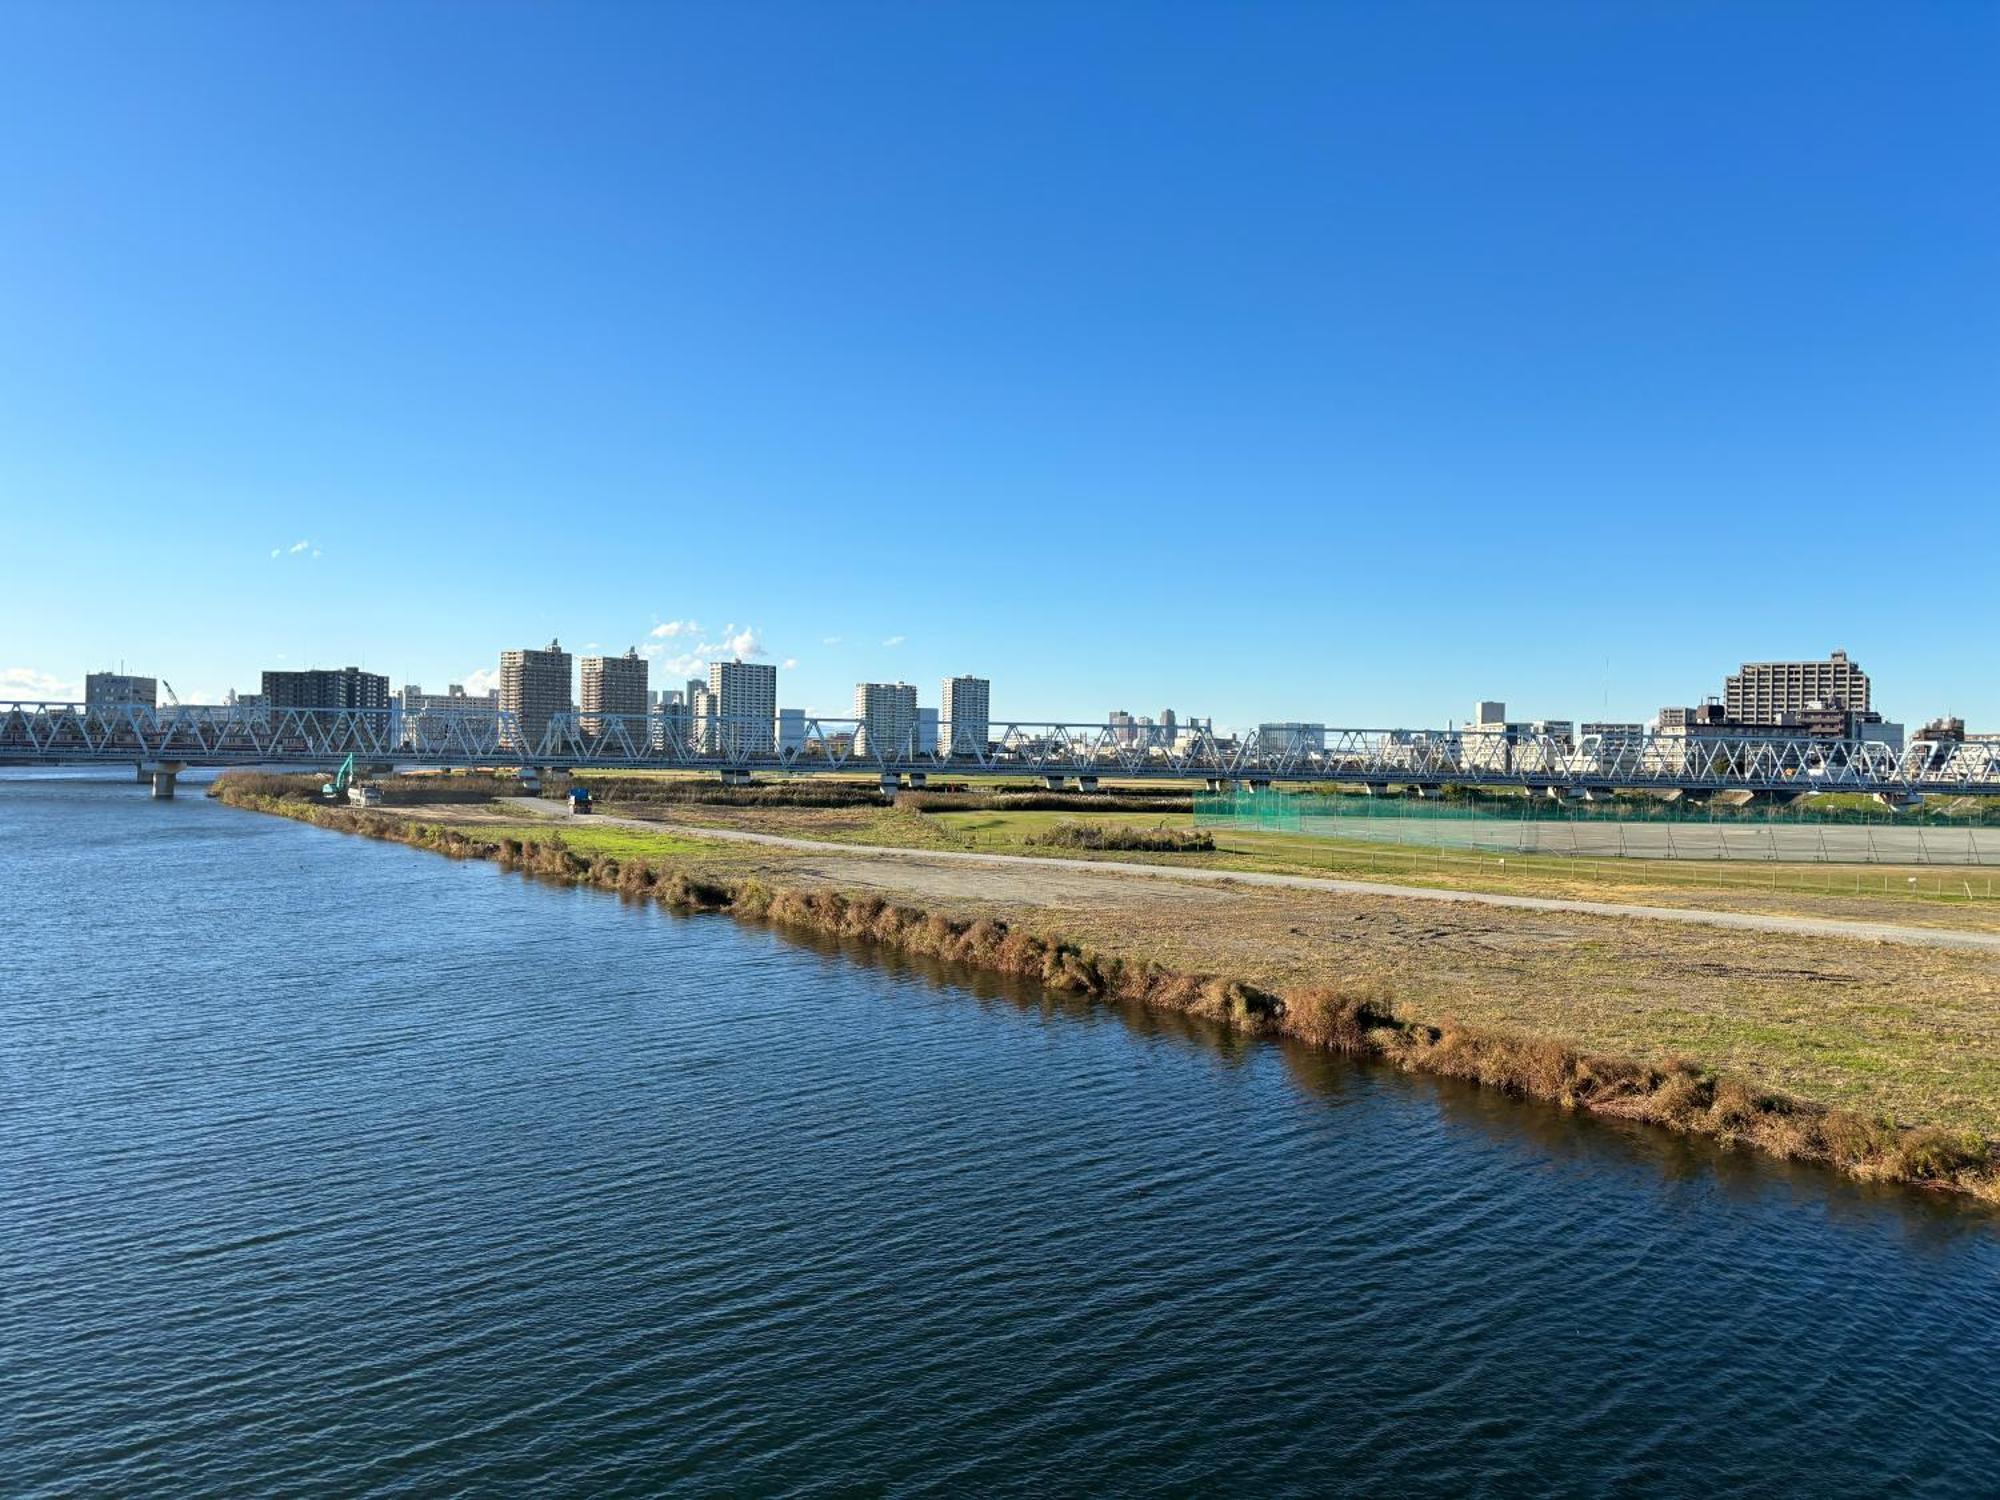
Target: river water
<point x="329" y="1167"/>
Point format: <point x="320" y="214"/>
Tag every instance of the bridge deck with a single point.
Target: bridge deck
<point x="46" y="733"/>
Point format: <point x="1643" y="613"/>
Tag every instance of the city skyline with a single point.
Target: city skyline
<point x="1153" y="384"/>
<point x="1831" y="697"/>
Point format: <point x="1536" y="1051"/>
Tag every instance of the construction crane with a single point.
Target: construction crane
<point x="172" y="697"/>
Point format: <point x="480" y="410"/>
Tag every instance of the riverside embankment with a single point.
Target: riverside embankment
<point x="1866" y="1034"/>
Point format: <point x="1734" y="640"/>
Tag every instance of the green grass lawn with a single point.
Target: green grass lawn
<point x="587" y="838"/>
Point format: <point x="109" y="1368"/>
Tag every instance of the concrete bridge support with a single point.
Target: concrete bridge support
<point x="919" y="780"/>
<point x="891" y="784"/>
<point x="1086" y="783"/>
<point x="162" y="774"/>
<point x="735" y="776"/>
<point x="1053" y="783"/>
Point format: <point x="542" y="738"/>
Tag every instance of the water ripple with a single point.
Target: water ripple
<point x="328" y="1167"/>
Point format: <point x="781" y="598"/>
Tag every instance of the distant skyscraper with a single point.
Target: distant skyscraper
<point x="888" y="715"/>
<point x="1124" y="728"/>
<point x="613" y="685"/>
<point x="742" y="705"/>
<point x="965" y="715"/>
<point x="534" y="689"/>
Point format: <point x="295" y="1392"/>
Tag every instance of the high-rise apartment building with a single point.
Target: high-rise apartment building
<point x="326" y="687"/>
<point x="116" y="690"/>
<point x="613" y="685"/>
<point x="888" y="715"/>
<point x="1764" y="692"/>
<point x="741" y="708"/>
<point x="534" y="691"/>
<point x="965" y="715"/>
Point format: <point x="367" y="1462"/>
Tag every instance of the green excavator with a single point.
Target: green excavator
<point x="342" y="780"/>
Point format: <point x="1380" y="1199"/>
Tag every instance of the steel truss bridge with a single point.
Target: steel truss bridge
<point x="163" y="741"/>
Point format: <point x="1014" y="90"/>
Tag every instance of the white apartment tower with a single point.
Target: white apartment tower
<point x="965" y="721"/>
<point x="739" y="709"/>
<point x="888" y="715"/>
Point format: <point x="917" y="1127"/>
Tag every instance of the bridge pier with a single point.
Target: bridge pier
<point x="1216" y="785"/>
<point x="162" y="775"/>
<point x="1053" y="783"/>
<point x="1086" y="783"/>
<point x="891" y="783"/>
<point x="919" y="780"/>
<point x="1257" y="784"/>
<point x="735" y="776"/>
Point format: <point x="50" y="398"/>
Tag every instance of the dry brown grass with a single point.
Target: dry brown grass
<point x="1361" y="1017"/>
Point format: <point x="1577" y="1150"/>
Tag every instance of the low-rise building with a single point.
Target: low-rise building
<point x="791" y="730"/>
<point x="117" y="690"/>
<point x="1291" y="738"/>
<point x="430" y="717"/>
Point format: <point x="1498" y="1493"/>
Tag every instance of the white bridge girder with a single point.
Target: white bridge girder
<point x="49" y="733"/>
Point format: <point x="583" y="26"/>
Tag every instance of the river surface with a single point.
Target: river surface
<point x="330" y="1167"/>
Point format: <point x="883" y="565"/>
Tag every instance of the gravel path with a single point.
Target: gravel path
<point x="1885" y="932"/>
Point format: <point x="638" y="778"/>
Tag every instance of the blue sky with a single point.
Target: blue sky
<point x="1323" y="361"/>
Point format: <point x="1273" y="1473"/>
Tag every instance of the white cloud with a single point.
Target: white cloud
<point x="277" y="551"/>
<point x="485" y="680"/>
<point x="692" y="660"/>
<point x="27" y="683"/>
<point x="300" y="546"/>
<point x="829" y="640"/>
<point x="789" y="664"/>
<point x="895" y="640"/>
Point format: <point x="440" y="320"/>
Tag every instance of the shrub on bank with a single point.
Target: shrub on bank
<point x="1159" y="839"/>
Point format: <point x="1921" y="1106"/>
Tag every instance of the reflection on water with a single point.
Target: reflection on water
<point x="328" y="1166"/>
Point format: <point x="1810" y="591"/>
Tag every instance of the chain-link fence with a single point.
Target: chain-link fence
<point x="1632" y="828"/>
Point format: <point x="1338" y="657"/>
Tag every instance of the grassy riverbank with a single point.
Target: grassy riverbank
<point x="1925" y="895"/>
<point x="1402" y="1013"/>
